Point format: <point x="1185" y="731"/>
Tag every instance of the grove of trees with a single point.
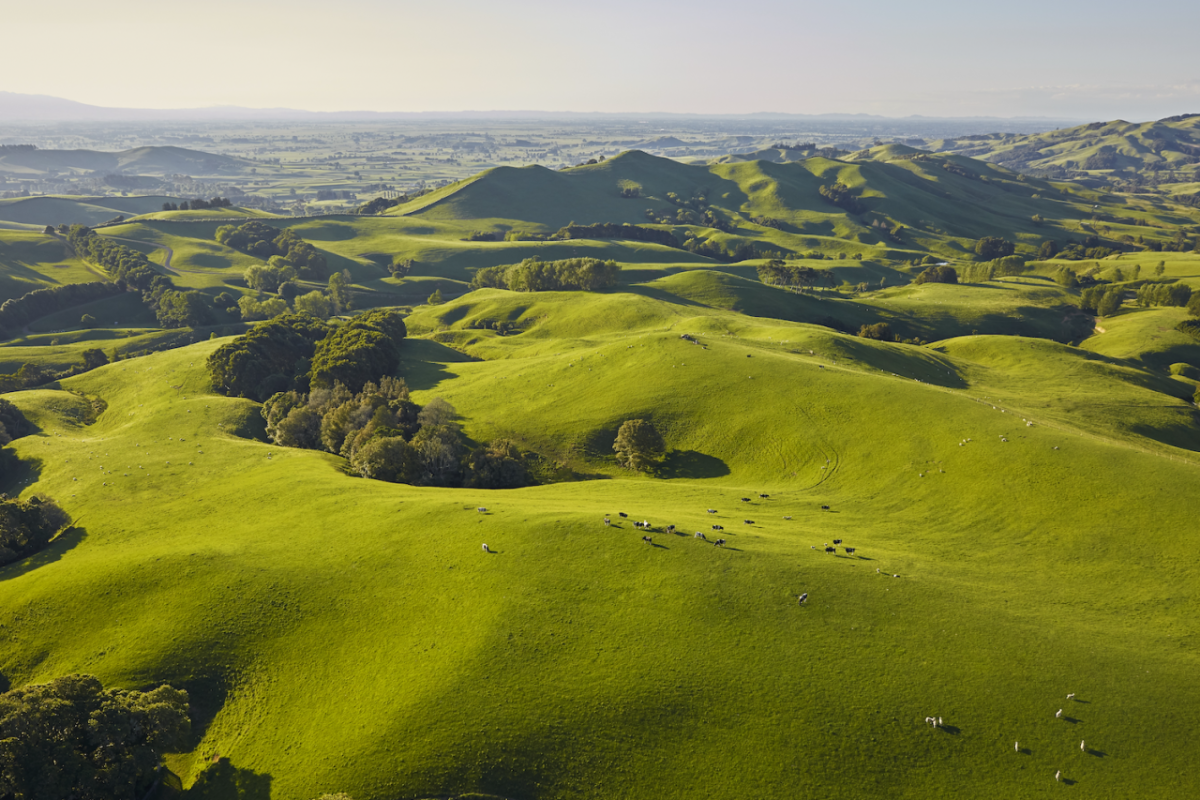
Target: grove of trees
<point x="72" y="739"/>
<point x="990" y="248"/>
<point x="260" y="239"/>
<point x="535" y="275"/>
<point x="27" y="526"/>
<point x="639" y="446"/>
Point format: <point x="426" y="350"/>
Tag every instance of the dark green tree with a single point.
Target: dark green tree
<point x="93" y="358"/>
<point x="990" y="248"/>
<point x="880" y="331"/>
<point x="71" y="738"/>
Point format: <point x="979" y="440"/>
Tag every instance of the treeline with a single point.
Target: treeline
<point x="601" y="230"/>
<point x="1164" y="294"/>
<point x="131" y="270"/>
<point x="32" y="374"/>
<point x="382" y="204"/>
<point x="20" y="311"/>
<point x="535" y="275"/>
<point x="198" y="204"/>
<point x="263" y="241"/>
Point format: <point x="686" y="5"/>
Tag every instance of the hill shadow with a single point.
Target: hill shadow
<point x="658" y="294"/>
<point x="422" y="362"/>
<point x="67" y="540"/>
<point x="221" y="780"/>
<point x="206" y="696"/>
<point x="692" y="464"/>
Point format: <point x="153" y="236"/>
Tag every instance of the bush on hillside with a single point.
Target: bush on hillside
<point x="612" y="230"/>
<point x="841" y="196"/>
<point x="252" y="308"/>
<point x="27" y="526"/>
<point x="364" y="349"/>
<point x="13" y="424"/>
<point x="268" y="277"/>
<point x="777" y="272"/>
<point x="990" y="248"/>
<point x="72" y="738"/>
<point x="1193" y="304"/>
<point x="499" y="464"/>
<point x="1101" y="300"/>
<point x="1165" y="294"/>
<point x="535" y="275"/>
<point x="639" y="446"/>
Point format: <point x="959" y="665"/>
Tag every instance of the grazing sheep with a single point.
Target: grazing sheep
<point x="1058" y="714"/>
<point x="485" y="549"/>
<point x="1083" y="747"/>
<point x="939" y="720"/>
<point x="1058" y="775"/>
<point x="712" y="511"/>
<point x="1071" y="696"/>
<point x="1017" y="746"/>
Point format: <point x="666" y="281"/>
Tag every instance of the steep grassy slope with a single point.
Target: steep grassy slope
<point x="30" y="260"/>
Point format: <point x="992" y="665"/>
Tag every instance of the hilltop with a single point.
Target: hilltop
<point x="158" y="161"/>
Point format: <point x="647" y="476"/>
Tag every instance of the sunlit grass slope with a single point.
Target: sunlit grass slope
<point x="347" y="635"/>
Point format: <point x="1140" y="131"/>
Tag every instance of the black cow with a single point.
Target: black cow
<point x="622" y="514"/>
<point x="830" y="549"/>
<point x="850" y="550"/>
<point x="748" y="521"/>
<point x="647" y="540"/>
<point x="837" y="541"/>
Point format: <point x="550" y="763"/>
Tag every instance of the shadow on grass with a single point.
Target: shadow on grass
<point x="206" y="696"/>
<point x="221" y="780"/>
<point x="67" y="540"/>
<point x="422" y="362"/>
<point x="1096" y="753"/>
<point x="1069" y="782"/>
<point x="1072" y="720"/>
<point x="655" y="293"/>
<point x="692" y="464"/>
<point x="953" y="730"/>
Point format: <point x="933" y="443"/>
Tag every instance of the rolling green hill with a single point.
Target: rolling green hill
<point x="1021" y="508"/>
<point x="138" y="161"/>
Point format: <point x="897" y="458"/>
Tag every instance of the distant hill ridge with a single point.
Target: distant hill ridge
<point x="154" y="160"/>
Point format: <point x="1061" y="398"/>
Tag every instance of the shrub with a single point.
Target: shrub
<point x="880" y="331"/>
<point x="989" y="248"/>
<point x="535" y="275"/>
<point x="945" y="274"/>
<point x="27" y="526"/>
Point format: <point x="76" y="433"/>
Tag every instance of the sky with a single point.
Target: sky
<point x="1100" y="59"/>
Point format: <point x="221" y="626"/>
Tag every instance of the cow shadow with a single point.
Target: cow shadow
<point x="953" y="730"/>
<point x="59" y="546"/>
<point x="659" y="546"/>
<point x="1096" y="753"/>
<point x="1072" y="720"/>
<point x="1069" y="782"/>
<point x="1024" y="751"/>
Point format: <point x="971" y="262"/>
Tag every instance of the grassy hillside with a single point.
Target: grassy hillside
<point x="349" y="635"/>
<point x="50" y="210"/>
<point x="140" y="160"/>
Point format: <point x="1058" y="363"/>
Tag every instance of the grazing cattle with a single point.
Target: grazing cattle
<point x="1083" y="747"/>
<point x="485" y="549"/>
<point x="837" y="541"/>
<point x="718" y="527"/>
<point x="830" y="549"/>
<point x="622" y="514"/>
<point x="607" y="521"/>
<point x="745" y="499"/>
<point x="712" y="511"/>
<point x="850" y="550"/>
<point x="700" y="535"/>
<point x="824" y="508"/>
<point x="481" y="509"/>
<point x="670" y="529"/>
<point x="748" y="521"/>
<point x="719" y="543"/>
<point x="1017" y="747"/>
<point x="787" y="517"/>
<point x="803" y="597"/>
<point x="764" y="496"/>
<point x="645" y="523"/>
<point x="939" y="720"/>
<point x="647" y="540"/>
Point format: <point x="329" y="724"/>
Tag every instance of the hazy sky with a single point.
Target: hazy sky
<point x="1099" y="59"/>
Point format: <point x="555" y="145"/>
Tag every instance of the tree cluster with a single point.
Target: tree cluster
<point x="990" y="248"/>
<point x="260" y="239"/>
<point x="840" y="195"/>
<point x="1103" y="300"/>
<point x="385" y="436"/>
<point x="198" y="204"/>
<point x="777" y="272"/>
<point x="20" y="311"/>
<point x="938" y="274"/>
<point x="612" y="230"/>
<point x="880" y="331"/>
<point x="73" y="739"/>
<point x="1164" y="294"/>
<point x="27" y="526"/>
<point x="535" y="275"/>
<point x="639" y="446"/>
<point x="293" y="352"/>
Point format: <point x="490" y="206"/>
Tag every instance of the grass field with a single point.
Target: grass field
<point x="1022" y="511"/>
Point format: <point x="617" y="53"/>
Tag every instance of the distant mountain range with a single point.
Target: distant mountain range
<point x="16" y="107"/>
<point x="142" y="161"/>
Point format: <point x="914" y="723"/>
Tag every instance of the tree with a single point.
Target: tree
<point x="387" y="458"/>
<point x="27" y="526"/>
<point x="498" y="465"/>
<point x="639" y="446"/>
<point x="339" y="291"/>
<point x="1109" y="303"/>
<point x="72" y="738"/>
<point x="1160" y="268"/>
<point x="990" y="248"/>
<point x="1193" y="304"/>
<point x="314" y="304"/>
<point x="435" y="299"/>
<point x="185" y="310"/>
<point x="253" y="309"/>
<point x="944" y="274"/>
<point x="94" y="358"/>
<point x="436" y="412"/>
<point x="364" y="349"/>
<point x="1048" y="249"/>
<point x="401" y="267"/>
<point x="440" y="449"/>
<point x="87" y="321"/>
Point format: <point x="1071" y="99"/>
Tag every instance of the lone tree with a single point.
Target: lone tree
<point x="639" y="445"/>
<point x="990" y="248"/>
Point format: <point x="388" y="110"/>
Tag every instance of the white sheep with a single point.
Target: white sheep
<point x="485" y="549"/>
